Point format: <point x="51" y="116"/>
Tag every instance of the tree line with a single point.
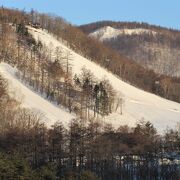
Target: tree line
<point x="89" y="150"/>
<point x="30" y="150"/>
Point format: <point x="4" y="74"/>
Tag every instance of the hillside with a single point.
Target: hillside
<point x="50" y="112"/>
<point x="153" y="47"/>
<point x="40" y="69"/>
<point x="108" y="33"/>
<point x="112" y="60"/>
<point x="138" y="103"/>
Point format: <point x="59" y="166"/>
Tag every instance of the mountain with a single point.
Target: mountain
<point x="155" y="48"/>
<point x="138" y="104"/>
<point x="84" y="76"/>
<point x="71" y="107"/>
<point x="114" y="61"/>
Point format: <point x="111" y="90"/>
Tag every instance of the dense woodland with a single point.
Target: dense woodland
<point x="28" y="150"/>
<point x="86" y="149"/>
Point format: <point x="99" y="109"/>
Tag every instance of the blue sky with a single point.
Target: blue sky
<point x="159" y="12"/>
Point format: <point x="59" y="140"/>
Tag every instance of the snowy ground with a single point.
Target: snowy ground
<point x="138" y="103"/>
<point x="30" y="99"/>
<point x="108" y="32"/>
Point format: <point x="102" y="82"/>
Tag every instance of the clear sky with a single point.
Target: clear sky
<point x="160" y="12"/>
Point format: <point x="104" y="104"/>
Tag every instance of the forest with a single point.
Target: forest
<point x="30" y="150"/>
<point x="87" y="149"/>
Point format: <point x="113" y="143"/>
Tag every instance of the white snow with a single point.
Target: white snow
<point x="138" y="103"/>
<point x="32" y="100"/>
<point x="107" y="32"/>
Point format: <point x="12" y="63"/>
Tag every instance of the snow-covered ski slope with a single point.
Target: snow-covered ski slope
<point x="138" y="103"/>
<point x="107" y="32"/>
<point x="29" y="99"/>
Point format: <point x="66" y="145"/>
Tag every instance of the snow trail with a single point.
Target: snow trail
<point x="32" y="100"/>
<point x="139" y="104"/>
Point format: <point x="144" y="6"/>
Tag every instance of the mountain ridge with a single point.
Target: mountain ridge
<point x="158" y="51"/>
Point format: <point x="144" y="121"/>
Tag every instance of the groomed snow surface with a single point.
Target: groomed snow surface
<point x="32" y="100"/>
<point x="107" y="32"/>
<point x="138" y="103"/>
